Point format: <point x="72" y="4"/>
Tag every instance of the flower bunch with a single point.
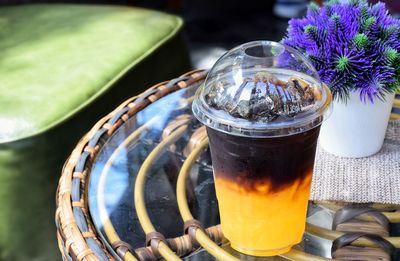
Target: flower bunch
<point x="352" y="44"/>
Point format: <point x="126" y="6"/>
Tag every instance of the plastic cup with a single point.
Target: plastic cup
<point x="262" y="104"/>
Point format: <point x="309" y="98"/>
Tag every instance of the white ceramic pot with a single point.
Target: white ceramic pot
<point x="356" y="129"/>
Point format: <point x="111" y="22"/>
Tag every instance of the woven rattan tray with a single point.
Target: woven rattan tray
<point x="80" y="240"/>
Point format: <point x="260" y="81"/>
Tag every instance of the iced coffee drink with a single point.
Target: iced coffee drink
<point x="262" y="104"/>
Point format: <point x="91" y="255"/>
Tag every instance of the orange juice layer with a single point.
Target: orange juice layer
<point x="262" y="222"/>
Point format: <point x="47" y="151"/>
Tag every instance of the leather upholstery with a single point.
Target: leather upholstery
<point x="62" y="67"/>
<point x="56" y="59"/>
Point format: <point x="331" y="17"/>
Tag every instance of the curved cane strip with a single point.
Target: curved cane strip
<point x="107" y="224"/>
<point x="140" y="207"/>
<point x="393" y="217"/>
<point x="108" y="227"/>
<point x="201" y="237"/>
<point x="332" y="235"/>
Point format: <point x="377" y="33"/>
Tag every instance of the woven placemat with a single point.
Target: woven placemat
<point x="371" y="179"/>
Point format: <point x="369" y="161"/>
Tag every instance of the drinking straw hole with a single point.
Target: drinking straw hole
<point x="262" y="51"/>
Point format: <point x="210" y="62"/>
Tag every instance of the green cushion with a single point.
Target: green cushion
<point x="62" y="68"/>
<point x="56" y="59"/>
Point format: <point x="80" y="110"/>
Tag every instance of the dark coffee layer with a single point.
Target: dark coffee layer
<point x="277" y="162"/>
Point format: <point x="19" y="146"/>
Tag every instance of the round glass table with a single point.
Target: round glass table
<point x="150" y="191"/>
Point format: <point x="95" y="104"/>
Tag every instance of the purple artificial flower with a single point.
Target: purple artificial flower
<point x="372" y="82"/>
<point x="352" y="45"/>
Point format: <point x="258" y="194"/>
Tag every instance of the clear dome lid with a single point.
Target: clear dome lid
<point x="262" y="89"/>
